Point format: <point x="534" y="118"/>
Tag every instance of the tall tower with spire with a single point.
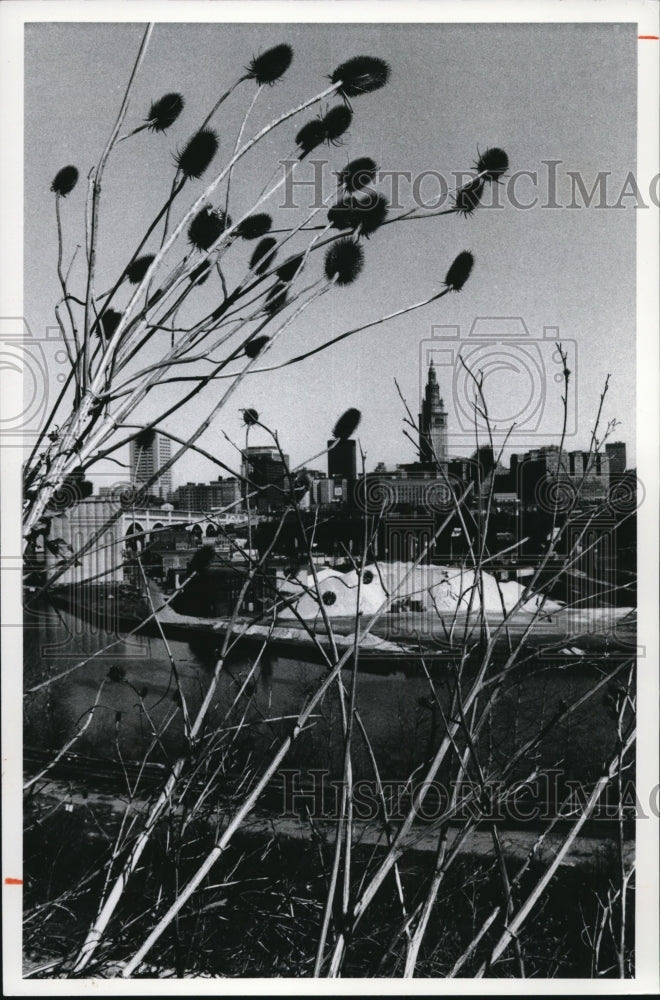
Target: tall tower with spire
<point x="432" y="423"/>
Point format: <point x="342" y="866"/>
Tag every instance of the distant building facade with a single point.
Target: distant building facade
<point x="616" y="454"/>
<point x="333" y="490"/>
<point x="216" y="495"/>
<point x="584" y="474"/>
<point x="265" y="474"/>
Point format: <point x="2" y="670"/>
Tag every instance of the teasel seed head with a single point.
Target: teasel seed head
<point x="358" y="174"/>
<point x="468" y="197"/>
<point x="287" y="271"/>
<point x="250" y="416"/>
<point x="344" y="261"/>
<point x="310" y="136"/>
<point x="361" y="75"/>
<point x="492" y="163"/>
<point x="368" y="211"/>
<point x="207" y="226"/>
<point x="110" y="320"/>
<point x="64" y="181"/>
<point x="197" y="154"/>
<point x="164" y="112"/>
<point x="136" y="271"/>
<point x="254" y="226"/>
<point x="263" y="256"/>
<point x="459" y="271"/>
<point x="256" y="346"/>
<point x="336" y="122"/>
<point x="271" y="65"/>
<point x="347" y="424"/>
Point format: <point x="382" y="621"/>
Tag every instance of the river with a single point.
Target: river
<point x="404" y="721"/>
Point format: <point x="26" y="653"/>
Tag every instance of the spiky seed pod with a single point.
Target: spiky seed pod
<point x="263" y="256"/>
<point x="459" y="271"/>
<point x="136" y="271"/>
<point x="344" y="261"/>
<point x="347" y="424"/>
<point x="196" y="155"/>
<point x="109" y="322"/>
<point x="310" y="136"/>
<point x="164" y="112"/>
<point x="368" y="212"/>
<point x="200" y="273"/>
<point x="145" y="438"/>
<point x="372" y="213"/>
<point x="271" y="65"/>
<point x="250" y="416"/>
<point x="64" y="181"/>
<point x="342" y="215"/>
<point x="254" y="226"/>
<point x="206" y="227"/>
<point x="361" y="75"/>
<point x="276" y="298"/>
<point x="336" y="122"/>
<point x="358" y="174"/>
<point x="492" y="163"/>
<point x="468" y="197"/>
<point x="256" y="346"/>
<point x="287" y="271"/>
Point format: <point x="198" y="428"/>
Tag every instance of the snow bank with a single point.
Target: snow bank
<point x="424" y="588"/>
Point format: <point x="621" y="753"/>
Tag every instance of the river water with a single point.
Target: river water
<point x="138" y="699"/>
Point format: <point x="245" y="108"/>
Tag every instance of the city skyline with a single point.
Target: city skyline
<point x="571" y="270"/>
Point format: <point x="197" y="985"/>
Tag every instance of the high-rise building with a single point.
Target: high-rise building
<point x="342" y="461"/>
<point x="146" y="460"/>
<point x="432" y="423"/>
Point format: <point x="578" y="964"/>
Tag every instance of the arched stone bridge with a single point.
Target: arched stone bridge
<point x="134" y="526"/>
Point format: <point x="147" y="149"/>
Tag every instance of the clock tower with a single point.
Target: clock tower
<point x="432" y="423"/>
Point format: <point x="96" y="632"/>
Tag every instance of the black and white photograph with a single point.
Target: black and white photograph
<point x="330" y="472"/>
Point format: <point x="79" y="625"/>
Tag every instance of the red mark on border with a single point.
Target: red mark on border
<point x="653" y="38"/>
<point x="13" y="881"/>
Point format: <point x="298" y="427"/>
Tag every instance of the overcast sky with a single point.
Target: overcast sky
<point x="542" y="92"/>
